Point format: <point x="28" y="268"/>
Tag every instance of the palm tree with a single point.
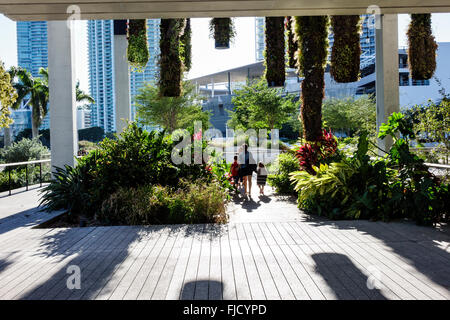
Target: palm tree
<point x="81" y="96"/>
<point x="36" y="90"/>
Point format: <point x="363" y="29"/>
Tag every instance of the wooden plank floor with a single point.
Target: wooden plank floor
<point x="269" y="250"/>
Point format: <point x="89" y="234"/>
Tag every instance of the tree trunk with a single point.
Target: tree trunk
<point x="34" y="128"/>
<point x="7" y="136"/>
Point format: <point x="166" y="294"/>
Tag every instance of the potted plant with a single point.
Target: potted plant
<point x="222" y="29"/>
<point x="346" y="52"/>
<point x="137" y="51"/>
<point x="312" y="35"/>
<point x="421" y="47"/>
<point x="275" y="52"/>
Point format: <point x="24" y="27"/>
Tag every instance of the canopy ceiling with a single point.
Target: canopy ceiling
<point x="126" y="9"/>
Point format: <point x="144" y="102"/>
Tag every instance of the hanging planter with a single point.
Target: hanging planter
<point x="292" y="43"/>
<point x="422" y="47"/>
<point x="346" y="52"/>
<point x="275" y="52"/>
<point x="186" y="46"/>
<point x="137" y="51"/>
<point x="170" y="64"/>
<point x="222" y="29"/>
<point x="312" y="35"/>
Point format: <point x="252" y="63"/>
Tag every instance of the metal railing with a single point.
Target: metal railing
<point x="9" y="166"/>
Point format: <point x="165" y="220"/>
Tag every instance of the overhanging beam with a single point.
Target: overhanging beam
<point x="125" y="9"/>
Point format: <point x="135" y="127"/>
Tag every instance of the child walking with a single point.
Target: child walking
<point x="235" y="171"/>
<point x="261" y="177"/>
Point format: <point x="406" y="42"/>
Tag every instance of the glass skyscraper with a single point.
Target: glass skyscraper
<point x="101" y="70"/>
<point x="32" y="51"/>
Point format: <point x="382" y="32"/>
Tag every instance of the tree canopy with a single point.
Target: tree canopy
<point x="8" y="96"/>
<point x="259" y="107"/>
<point x="170" y="113"/>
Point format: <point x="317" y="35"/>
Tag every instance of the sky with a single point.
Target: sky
<point x="205" y="58"/>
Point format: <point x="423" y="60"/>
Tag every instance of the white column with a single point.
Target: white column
<point x="387" y="76"/>
<point x="212" y="87"/>
<point x="61" y="82"/>
<point x="122" y="82"/>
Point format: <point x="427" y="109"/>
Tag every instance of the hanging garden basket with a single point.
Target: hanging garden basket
<point x="186" y="46"/>
<point x="292" y="43"/>
<point x="170" y="61"/>
<point x="137" y="51"/>
<point x="346" y="52"/>
<point x="223" y="31"/>
<point x="312" y="35"/>
<point x="422" y="47"/>
<point x="275" y="52"/>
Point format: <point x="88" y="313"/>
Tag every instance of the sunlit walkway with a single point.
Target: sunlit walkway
<point x="269" y="250"/>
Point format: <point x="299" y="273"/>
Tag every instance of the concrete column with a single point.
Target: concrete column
<point x="121" y="76"/>
<point x="212" y="87"/>
<point x="229" y="83"/>
<point x="387" y="86"/>
<point x="61" y="82"/>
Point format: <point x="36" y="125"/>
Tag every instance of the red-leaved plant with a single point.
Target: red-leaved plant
<point x="312" y="154"/>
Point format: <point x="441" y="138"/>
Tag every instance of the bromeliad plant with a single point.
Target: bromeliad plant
<point x="223" y="31"/>
<point x="137" y="51"/>
<point x="275" y="52"/>
<point x="421" y="47"/>
<point x="311" y="154"/>
<point x="346" y="52"/>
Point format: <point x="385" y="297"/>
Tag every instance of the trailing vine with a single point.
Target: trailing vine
<point x="275" y="52"/>
<point x="422" y="47"/>
<point x="137" y="51"/>
<point x="346" y="52"/>
<point x="223" y="31"/>
<point x="186" y="46"/>
<point x="312" y="36"/>
<point x="292" y="43"/>
<point x="170" y="63"/>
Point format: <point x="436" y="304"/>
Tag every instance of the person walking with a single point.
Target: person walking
<point x="261" y="177"/>
<point x="246" y="169"/>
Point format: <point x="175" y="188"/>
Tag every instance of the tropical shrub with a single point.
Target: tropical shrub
<point x="275" y="52"/>
<point x="346" y="51"/>
<point x="421" y="47"/>
<point x="223" y="31"/>
<point x="24" y="150"/>
<point x="314" y="153"/>
<point x="283" y="166"/>
<point x="137" y="51"/>
<point x="136" y="158"/>
<point x="190" y="202"/>
<point x="354" y="187"/>
<point x="312" y="35"/>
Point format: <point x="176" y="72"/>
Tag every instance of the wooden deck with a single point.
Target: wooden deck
<point x="258" y="255"/>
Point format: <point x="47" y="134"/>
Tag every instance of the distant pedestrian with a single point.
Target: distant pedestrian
<point x="245" y="163"/>
<point x="235" y="171"/>
<point x="261" y="177"/>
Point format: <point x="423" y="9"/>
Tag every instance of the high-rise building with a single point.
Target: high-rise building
<point x="101" y="70"/>
<point x="367" y="40"/>
<point x="101" y="73"/>
<point x="32" y="51"/>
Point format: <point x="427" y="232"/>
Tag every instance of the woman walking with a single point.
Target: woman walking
<point x="246" y="162"/>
